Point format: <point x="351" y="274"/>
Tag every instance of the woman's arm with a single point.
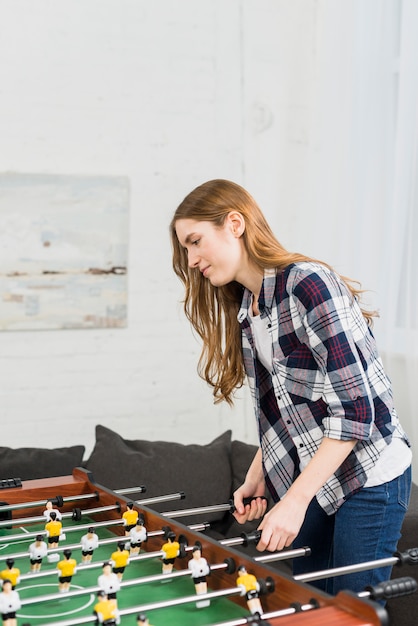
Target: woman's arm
<point x="282" y="523"/>
<point x="252" y="487"/>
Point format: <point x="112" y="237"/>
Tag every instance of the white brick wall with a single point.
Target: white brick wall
<point x="168" y="94"/>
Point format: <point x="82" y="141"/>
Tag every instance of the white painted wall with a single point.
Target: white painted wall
<point x="168" y="94"/>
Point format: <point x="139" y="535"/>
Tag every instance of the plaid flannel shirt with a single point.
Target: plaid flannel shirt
<point x="327" y="380"/>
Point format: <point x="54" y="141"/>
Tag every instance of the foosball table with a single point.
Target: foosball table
<point x="145" y="594"/>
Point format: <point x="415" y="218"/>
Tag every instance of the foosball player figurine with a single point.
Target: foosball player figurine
<point x="11" y="573"/>
<point x="49" y="508"/>
<point x="67" y="568"/>
<point x="9" y="603"/>
<point x="142" y="620"/>
<point x="105" y="610"/>
<point x="129" y="518"/>
<point x="199" y="568"/>
<point x="250" y="588"/>
<point x="137" y="535"/>
<point x="89" y="543"/>
<point x="53" y="528"/>
<point x="171" y="550"/>
<point x="37" y="551"/>
<point x="120" y="559"/>
<point x="109" y="582"/>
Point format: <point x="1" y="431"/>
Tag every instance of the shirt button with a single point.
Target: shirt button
<point x="301" y="445"/>
<point x="288" y="422"/>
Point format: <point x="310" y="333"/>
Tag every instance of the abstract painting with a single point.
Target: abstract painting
<point x="63" y="251"/>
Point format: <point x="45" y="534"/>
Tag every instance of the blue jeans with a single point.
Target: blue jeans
<point x="366" y="527"/>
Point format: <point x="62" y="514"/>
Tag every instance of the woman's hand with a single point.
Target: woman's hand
<point x="254" y="509"/>
<point x="253" y="488"/>
<point x="281" y="524"/>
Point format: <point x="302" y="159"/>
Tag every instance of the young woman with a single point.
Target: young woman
<point x="332" y="453"/>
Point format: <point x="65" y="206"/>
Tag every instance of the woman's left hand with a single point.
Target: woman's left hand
<point x="281" y="524"/>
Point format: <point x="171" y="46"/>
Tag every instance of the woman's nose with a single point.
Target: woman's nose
<point x="193" y="258"/>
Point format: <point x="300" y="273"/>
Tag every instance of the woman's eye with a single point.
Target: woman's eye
<point x="195" y="242"/>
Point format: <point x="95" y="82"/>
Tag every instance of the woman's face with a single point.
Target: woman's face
<point x="218" y="252"/>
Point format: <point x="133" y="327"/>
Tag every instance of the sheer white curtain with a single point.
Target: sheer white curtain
<point x="401" y="261"/>
<point x="362" y="184"/>
<point x="352" y="137"/>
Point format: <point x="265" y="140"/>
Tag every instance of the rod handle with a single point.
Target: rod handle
<point x="393" y="588"/>
<point x="253" y="537"/>
<point x="409" y="557"/>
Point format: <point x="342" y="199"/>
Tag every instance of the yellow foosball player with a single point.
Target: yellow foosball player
<point x="120" y="559"/>
<point x="171" y="550"/>
<point x="11" y="573"/>
<point x="142" y="620"/>
<point x="129" y="517"/>
<point x="251" y="589"/>
<point x="54" y="530"/>
<point x="105" y="610"/>
<point x="66" y="568"/>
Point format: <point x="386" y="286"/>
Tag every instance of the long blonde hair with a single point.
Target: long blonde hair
<point x="212" y="311"/>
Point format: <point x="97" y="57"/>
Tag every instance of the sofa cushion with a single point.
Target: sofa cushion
<point x="30" y="463"/>
<point x="202" y="472"/>
<point x="242" y="455"/>
<point x="403" y="610"/>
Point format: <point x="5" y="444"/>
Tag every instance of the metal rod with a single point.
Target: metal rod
<point x="198" y="511"/>
<point x="33" y="504"/>
<point x="128" y="583"/>
<point x="212" y="595"/>
<point x="68" y="529"/>
<point x="241" y="621"/>
<point x="340" y="571"/>
<point x="283" y="555"/>
<point x="167" y="498"/>
<point x="144" y="556"/>
<point x="75" y="498"/>
<point x="105" y="524"/>
<point x="19" y="521"/>
<point x="140" y="489"/>
<point x="155" y="605"/>
<point x="111" y="507"/>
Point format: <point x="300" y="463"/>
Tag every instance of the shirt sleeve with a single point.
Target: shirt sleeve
<point x="329" y="321"/>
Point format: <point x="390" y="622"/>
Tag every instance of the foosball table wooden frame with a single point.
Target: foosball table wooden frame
<point x="345" y="609"/>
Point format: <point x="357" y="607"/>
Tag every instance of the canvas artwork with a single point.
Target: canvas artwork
<point x="63" y="251"/>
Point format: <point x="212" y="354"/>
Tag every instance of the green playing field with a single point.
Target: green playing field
<point x="33" y="590"/>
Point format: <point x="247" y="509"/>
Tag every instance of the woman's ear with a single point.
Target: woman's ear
<point x="236" y="222"/>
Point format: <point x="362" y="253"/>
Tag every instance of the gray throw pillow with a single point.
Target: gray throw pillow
<point x="30" y="463"/>
<point x="202" y="472"/>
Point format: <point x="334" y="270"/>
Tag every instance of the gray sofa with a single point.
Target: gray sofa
<point x="207" y="474"/>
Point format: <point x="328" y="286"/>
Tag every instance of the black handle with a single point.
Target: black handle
<point x="253" y="537"/>
<point x="393" y="588"/>
<point x="409" y="557"/>
<point x="245" y="501"/>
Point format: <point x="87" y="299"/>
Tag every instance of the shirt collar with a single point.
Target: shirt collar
<point x="265" y="299"/>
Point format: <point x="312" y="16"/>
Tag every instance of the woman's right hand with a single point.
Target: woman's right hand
<point x="256" y="506"/>
<point x="253" y="489"/>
